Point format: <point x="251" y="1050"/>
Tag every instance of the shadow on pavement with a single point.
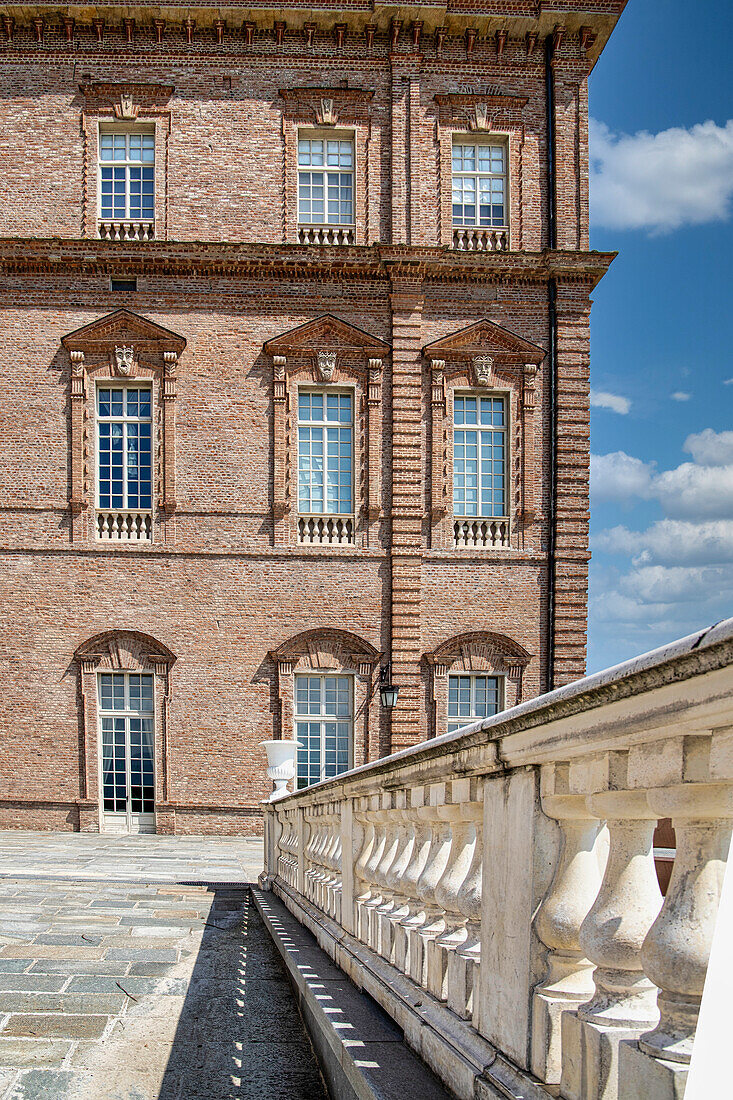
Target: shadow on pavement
<point x="240" y="1034"/>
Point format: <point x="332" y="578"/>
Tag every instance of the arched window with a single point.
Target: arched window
<point x="474" y="676"/>
<point x="124" y="684"/>
<point x="324" y="682"/>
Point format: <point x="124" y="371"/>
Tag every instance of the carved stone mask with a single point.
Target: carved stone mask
<point x="482" y="365"/>
<point x="326" y="365"/>
<point x="124" y="359"/>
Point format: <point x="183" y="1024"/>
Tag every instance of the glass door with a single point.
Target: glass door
<point x="127" y="743"/>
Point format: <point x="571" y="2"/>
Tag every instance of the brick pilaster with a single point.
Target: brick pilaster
<point x="408" y="498"/>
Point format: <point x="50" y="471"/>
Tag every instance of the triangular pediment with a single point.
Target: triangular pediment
<point x="326" y="332"/>
<point x="123" y="327"/>
<point x="484" y="337"/>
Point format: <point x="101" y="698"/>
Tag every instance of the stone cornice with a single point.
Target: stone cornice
<point x="57" y="257"/>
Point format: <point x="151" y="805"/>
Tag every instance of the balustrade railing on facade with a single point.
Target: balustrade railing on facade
<point x="481" y="532"/>
<point x="326" y="530"/>
<point x="124" y="526"/>
<point x="326" y="234"/>
<point x="481" y="240"/>
<point x="495" y="888"/>
<point x="126" y="230"/>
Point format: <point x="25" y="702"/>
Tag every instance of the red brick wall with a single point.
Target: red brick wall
<point x="216" y="587"/>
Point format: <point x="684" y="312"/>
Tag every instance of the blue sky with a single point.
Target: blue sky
<point x="661" y="101"/>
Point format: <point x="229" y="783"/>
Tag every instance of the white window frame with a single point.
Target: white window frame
<point x="324" y="425"/>
<point x="477" y="176"/>
<point x="479" y="395"/>
<point x="326" y="136"/>
<point x="323" y="719"/>
<point x="456" y="722"/>
<point x="134" y="819"/>
<point x="127" y="130"/>
<point x="125" y="419"/>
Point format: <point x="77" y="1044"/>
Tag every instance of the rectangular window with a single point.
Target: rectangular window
<point x="126" y="176"/>
<point x="471" y="698"/>
<point x="323" y="725"/>
<point x="479" y="184"/>
<point x="128" y="756"/>
<point x="325" y="453"/>
<point x="124" y="448"/>
<point x="325" y="181"/>
<point x="479" y="456"/>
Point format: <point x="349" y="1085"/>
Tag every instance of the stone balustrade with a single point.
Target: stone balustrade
<point x="495" y="889"/>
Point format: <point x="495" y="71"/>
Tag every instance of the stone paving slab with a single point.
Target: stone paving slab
<point x="126" y="976"/>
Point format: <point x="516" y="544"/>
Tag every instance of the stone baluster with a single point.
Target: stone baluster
<point x="389" y="853"/>
<point x="464" y="961"/>
<point x="362" y="888"/>
<point x="611" y="936"/>
<point x="396" y="905"/>
<point x="372" y="897"/>
<point x="336" y="858"/>
<point x="431" y="920"/>
<point x="677" y="948"/>
<point x="439" y="949"/>
<point x="569" y="979"/>
<point x="421" y="847"/>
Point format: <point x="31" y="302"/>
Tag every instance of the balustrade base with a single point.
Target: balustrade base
<point x="466" y="1062"/>
<point x="656" y="1079"/>
<point x="590" y="1061"/>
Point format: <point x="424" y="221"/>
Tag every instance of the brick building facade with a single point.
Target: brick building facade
<point x="294" y="331"/>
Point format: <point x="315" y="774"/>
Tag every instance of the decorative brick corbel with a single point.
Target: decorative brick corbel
<point x="98" y="25"/>
<point x="39" y="27"/>
<point x="129" y="25"/>
<point x="279" y="32"/>
<point x="416" y="33"/>
<point x="531" y="40"/>
<point x="440" y="33"/>
<point x="280" y="399"/>
<point x="159" y="25"/>
<point x="309" y="30"/>
<point x="369" y="35"/>
<point x="529" y="495"/>
<point x="68" y="22"/>
<point x="500" y="43"/>
<point x="471" y="35"/>
<point x="189" y="25"/>
<point x="394" y="33"/>
<point x="77" y="501"/>
<point x="8" y="27"/>
<point x="438" y="506"/>
<point x="219" y="26"/>
<point x="170" y="362"/>
<point x="340" y="35"/>
<point x="373" y="505"/>
<point x="249" y="30"/>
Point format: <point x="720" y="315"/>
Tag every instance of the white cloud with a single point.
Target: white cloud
<point x="728" y="382"/>
<point x="696" y="492"/>
<point x="709" y="448"/>
<point x="662" y="181"/>
<point x="677" y="577"/>
<point x="611" y="401"/>
<point x="679" y="395"/>
<point x="671" y="542"/>
<point x="618" y="476"/>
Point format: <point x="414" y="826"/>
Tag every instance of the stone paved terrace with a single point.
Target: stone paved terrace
<point x="136" y="968"/>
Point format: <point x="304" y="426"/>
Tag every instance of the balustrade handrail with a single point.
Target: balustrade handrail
<point x="497" y="884"/>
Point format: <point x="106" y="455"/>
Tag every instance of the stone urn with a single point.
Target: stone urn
<point x="280" y="765"/>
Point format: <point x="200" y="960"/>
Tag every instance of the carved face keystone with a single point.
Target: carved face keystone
<point x="124" y="357"/>
<point x="326" y="365"/>
<point x="482" y="366"/>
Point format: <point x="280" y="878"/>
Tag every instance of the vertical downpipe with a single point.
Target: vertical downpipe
<point x="552" y="350"/>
